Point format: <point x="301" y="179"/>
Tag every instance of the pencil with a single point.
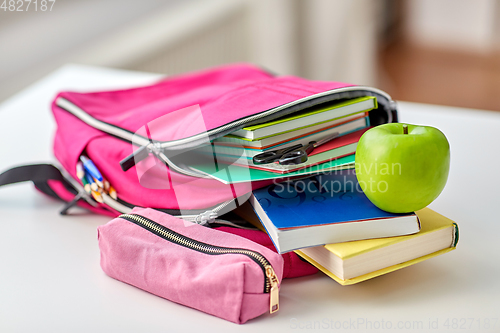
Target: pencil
<point x="112" y="192"/>
<point x="97" y="196"/>
<point x="86" y="185"/>
<point x="91" y="181"/>
<point x="80" y="173"/>
<point x="106" y="185"/>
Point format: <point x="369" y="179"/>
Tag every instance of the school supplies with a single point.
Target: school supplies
<point x="353" y="262"/>
<point x="212" y="271"/>
<point x="287" y="156"/>
<point x="111" y="126"/>
<point x="88" y="172"/>
<point x="324" y="209"/>
<point x="232" y="153"/>
<point x="91" y="170"/>
<point x="137" y="138"/>
<point x="294" y="155"/>
<point x="334" y="155"/>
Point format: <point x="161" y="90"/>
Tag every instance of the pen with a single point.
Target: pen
<point x="90" y="167"/>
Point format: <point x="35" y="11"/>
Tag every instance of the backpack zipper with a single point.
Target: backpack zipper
<point x="213" y="133"/>
<point x="147" y="146"/>
<point x="270" y="277"/>
<point x="208" y="216"/>
<point x="203" y="218"/>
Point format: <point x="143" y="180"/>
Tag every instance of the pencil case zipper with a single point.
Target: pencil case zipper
<point x="270" y="278"/>
<point x="158" y="147"/>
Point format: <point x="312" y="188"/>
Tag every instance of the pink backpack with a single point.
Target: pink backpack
<point x="144" y="129"/>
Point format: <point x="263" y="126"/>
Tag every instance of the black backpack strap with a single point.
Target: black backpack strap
<point x="40" y="174"/>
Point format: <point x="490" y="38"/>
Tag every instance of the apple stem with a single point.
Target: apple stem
<point x="405" y="129"/>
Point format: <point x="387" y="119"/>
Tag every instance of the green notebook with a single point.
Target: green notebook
<point x="307" y="118"/>
<point x="231" y="174"/>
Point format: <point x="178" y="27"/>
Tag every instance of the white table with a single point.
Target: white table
<point x="51" y="281"/>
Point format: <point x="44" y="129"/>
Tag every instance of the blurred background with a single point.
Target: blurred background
<point x="431" y="51"/>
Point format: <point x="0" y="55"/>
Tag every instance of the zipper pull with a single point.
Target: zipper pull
<point x="135" y="157"/>
<point x="274" y="292"/>
<point x="205" y="218"/>
<point x="138" y="155"/>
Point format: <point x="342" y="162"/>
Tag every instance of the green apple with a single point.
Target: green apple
<point x="402" y="168"/>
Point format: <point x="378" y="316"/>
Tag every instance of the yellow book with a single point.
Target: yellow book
<point x="353" y="262"/>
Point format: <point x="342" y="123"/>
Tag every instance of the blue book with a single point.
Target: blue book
<point x="325" y="209"/>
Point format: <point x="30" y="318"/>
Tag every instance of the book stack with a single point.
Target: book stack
<point x="327" y="220"/>
<point x="348" y="119"/>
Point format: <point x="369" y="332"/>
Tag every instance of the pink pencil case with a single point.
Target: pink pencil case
<point x="212" y="271"/>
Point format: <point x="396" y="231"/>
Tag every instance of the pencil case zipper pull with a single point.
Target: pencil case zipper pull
<point x="274" y="305"/>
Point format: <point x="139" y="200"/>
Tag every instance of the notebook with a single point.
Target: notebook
<point x="343" y="129"/>
<point x="324" y="209"/>
<point x="337" y="148"/>
<point x="272" y="141"/>
<point x="311" y="116"/>
<point x="353" y="262"/>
